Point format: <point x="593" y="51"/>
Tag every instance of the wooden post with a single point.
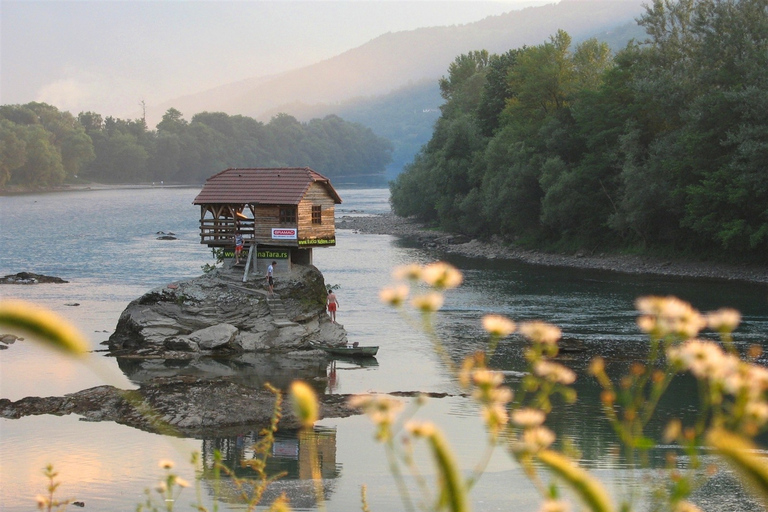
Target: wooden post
<point x="252" y="250"/>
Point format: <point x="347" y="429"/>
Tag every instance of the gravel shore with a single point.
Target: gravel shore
<point x="497" y="249"/>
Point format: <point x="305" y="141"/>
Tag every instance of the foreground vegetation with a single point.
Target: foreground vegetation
<point x="664" y="145"/>
<point x="42" y="147"/>
<point x="732" y="411"/>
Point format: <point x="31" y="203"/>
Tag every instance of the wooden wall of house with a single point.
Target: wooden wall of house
<point x="218" y="228"/>
<point x="317" y="195"/>
<point x="265" y="218"/>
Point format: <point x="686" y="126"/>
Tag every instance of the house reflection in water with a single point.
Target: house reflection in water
<point x="290" y="455"/>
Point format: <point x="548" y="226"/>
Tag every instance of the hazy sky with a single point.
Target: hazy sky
<point x="107" y="56"/>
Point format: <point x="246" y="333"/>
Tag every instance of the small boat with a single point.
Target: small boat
<point x="352" y="350"/>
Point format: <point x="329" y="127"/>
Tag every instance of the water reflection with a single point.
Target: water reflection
<point x="339" y="365"/>
<point x="251" y="370"/>
<point x="595" y="308"/>
<point x="294" y="455"/>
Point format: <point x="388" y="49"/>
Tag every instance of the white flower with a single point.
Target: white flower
<point x="554" y="506"/>
<point x="537" y="438"/>
<point x="441" y="275"/>
<point x="394" y="295"/>
<point x="428" y="303"/>
<point x="497" y="325"/>
<point x="723" y="320"/>
<point x="540" y="332"/>
<point x="554" y="372"/>
<point x="411" y="272"/>
<point x="528" y="417"/>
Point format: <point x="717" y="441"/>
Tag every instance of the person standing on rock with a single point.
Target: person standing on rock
<point x="333" y="305"/>
<point x="238" y="247"/>
<point x="270" y="279"/>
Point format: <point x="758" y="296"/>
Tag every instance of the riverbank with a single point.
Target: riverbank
<point x="496" y="248"/>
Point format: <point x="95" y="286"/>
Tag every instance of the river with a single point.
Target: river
<point x="105" y="243"/>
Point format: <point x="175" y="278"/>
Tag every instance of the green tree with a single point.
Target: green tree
<point x="511" y="193"/>
<point x="449" y="168"/>
<point x="496" y="91"/>
<point x="91" y="122"/>
<point x="542" y="83"/>
<point x="42" y="165"/>
<point x="173" y="122"/>
<point x="125" y="159"/>
<point x="12" y="150"/>
<point x="463" y="86"/>
<point x="725" y="137"/>
<point x="165" y="160"/>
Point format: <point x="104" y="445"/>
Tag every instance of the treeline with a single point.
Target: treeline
<point x="662" y="146"/>
<point x="42" y="147"/>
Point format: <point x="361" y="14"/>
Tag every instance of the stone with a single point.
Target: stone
<point x="252" y="341"/>
<point x="9" y="339"/>
<point x="182" y="343"/>
<point x="214" y="337"/>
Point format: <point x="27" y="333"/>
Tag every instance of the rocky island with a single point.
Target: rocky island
<point x="218" y="314"/>
<point x="30" y="278"/>
<point x="201" y="352"/>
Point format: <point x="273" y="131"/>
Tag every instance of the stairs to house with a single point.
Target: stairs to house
<point x="277" y="309"/>
<point x="274" y="303"/>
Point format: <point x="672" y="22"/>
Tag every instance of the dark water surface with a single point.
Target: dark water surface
<point x="105" y="243"/>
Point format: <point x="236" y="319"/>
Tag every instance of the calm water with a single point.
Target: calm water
<point x="105" y="243"/>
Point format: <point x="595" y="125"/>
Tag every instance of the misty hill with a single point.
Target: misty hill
<point x="395" y="75"/>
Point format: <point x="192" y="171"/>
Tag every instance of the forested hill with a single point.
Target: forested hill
<point x="394" y="75"/>
<point x="393" y="60"/>
<point x="42" y="147"/>
<point x="663" y="146"/>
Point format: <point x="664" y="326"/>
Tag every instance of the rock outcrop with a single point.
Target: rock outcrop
<point x="30" y="278"/>
<point x="179" y="406"/>
<point x="218" y="314"/>
<point x="8" y="339"/>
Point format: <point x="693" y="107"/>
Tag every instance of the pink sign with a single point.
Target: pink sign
<point x="284" y="233"/>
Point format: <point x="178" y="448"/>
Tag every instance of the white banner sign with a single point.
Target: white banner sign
<point x="284" y="233"/>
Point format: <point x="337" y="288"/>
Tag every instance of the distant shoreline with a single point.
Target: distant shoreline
<point x="80" y="187"/>
<point x="496" y="248"/>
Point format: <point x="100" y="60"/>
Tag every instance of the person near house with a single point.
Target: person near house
<point x="333" y="305"/>
<point x="238" y="247"/>
<point x="270" y="279"/>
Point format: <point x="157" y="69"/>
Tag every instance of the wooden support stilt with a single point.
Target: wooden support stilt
<point x="251" y="251"/>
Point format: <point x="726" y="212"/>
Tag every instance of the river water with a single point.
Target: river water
<point x="105" y="244"/>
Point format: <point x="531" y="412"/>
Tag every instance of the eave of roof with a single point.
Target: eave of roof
<point x="263" y="185"/>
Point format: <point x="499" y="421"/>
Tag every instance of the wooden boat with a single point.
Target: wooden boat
<point x="353" y="350"/>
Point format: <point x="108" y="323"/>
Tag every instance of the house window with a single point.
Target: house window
<point x="287" y="215"/>
<point x="317" y="217"/>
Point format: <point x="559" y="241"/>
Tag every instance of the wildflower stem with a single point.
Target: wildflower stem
<point x="394" y="468"/>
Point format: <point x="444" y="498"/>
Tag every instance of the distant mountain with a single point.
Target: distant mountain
<point x="390" y="83"/>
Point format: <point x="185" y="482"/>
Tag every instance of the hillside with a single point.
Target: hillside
<point x="401" y="69"/>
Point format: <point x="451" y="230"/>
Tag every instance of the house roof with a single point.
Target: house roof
<point x="274" y="185"/>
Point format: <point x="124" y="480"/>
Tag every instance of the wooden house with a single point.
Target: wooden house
<point x="282" y="213"/>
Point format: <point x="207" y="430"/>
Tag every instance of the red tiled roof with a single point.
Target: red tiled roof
<point x="280" y="185"/>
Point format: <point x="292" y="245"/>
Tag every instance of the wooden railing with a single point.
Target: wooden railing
<point x="221" y="232"/>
